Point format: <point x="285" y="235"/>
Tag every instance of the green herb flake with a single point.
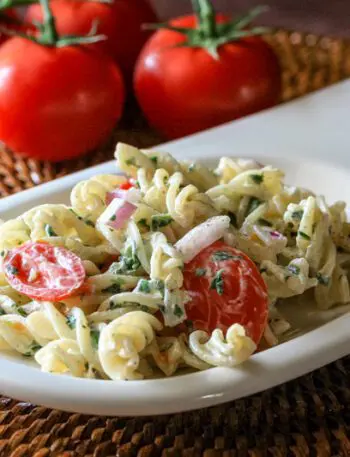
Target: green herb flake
<point x="2" y="312"/>
<point x="114" y="288"/>
<point x="159" y="221"/>
<point x="113" y="218"/>
<point x="322" y="279"/>
<point x="33" y="348"/>
<point x="178" y="311"/>
<point x="154" y="159"/>
<point x="217" y="282"/>
<point x="257" y="179"/>
<point x="294" y="269"/>
<point x="95" y="337"/>
<point x="262" y="221"/>
<point x="200" y="272"/>
<point x="233" y="219"/>
<point x="144" y="308"/>
<point x="143" y="223"/>
<point x="113" y="305"/>
<point x="263" y="270"/>
<point x="12" y="270"/>
<point x="131" y="161"/>
<point x="253" y="204"/>
<point x="71" y="321"/>
<point x="191" y="167"/>
<point x="159" y="284"/>
<point x="49" y="230"/>
<point x="144" y="286"/>
<point x="297" y="215"/>
<point x="2" y="253"/>
<point x="19" y="310"/>
<point x="189" y="324"/>
<point x="219" y="256"/>
<point x="304" y="235"/>
<point x="89" y="223"/>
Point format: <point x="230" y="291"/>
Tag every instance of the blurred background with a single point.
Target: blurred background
<point x="330" y="17"/>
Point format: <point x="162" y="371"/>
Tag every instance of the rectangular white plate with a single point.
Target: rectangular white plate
<point x="307" y="138"/>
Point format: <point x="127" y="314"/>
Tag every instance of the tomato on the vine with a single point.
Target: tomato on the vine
<point x="56" y="103"/>
<point x="120" y="21"/>
<point x="225" y="287"/>
<point x="203" y="70"/>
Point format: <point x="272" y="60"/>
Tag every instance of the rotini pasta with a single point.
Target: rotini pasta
<point x="114" y="291"/>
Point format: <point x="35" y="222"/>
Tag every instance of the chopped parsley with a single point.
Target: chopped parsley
<point x="2" y="253"/>
<point x="257" y="179"/>
<point x="12" y="270"/>
<point x="297" y="215"/>
<point x="144" y="286"/>
<point x="294" y="269"/>
<point x="233" y="219"/>
<point x="113" y="305"/>
<point x="253" y="204"/>
<point x="144" y="308"/>
<point x="2" y="312"/>
<point x="86" y="221"/>
<point x="189" y="324"/>
<point x="262" y="221"/>
<point x="323" y="280"/>
<point x="191" y="167"/>
<point x="304" y="235"/>
<point x="131" y="161"/>
<point x="33" y="348"/>
<point x="178" y="311"/>
<point x="71" y="321"/>
<point x="159" y="284"/>
<point x="219" y="256"/>
<point x="217" y="282"/>
<point x="95" y="336"/>
<point x="143" y="223"/>
<point x="19" y="310"/>
<point x="200" y="272"/>
<point x="128" y="263"/>
<point x="113" y="218"/>
<point x="114" y="288"/>
<point x="90" y="223"/>
<point x="49" y="230"/>
<point x="154" y="159"/>
<point x="159" y="221"/>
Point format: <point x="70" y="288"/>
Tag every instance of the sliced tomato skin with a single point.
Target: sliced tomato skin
<point x="56" y="272"/>
<point x="243" y="298"/>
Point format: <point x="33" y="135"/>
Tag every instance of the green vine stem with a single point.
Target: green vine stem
<point x="209" y="34"/>
<point x="47" y="32"/>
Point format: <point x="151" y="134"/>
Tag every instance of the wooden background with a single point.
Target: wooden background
<point x="329" y="17"/>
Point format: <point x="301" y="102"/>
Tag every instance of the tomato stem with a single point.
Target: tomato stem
<point x="209" y="33"/>
<point x="205" y="13"/>
<point x="49" y="31"/>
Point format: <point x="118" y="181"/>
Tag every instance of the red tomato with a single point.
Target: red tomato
<point x="226" y="287"/>
<point x="126" y="186"/>
<point x="183" y="90"/>
<point x="56" y="103"/>
<point x="44" y="272"/>
<point x="120" y="21"/>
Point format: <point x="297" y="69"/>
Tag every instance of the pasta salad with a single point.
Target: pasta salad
<point x="169" y="266"/>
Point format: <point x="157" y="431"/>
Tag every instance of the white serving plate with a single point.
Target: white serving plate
<point x="309" y="140"/>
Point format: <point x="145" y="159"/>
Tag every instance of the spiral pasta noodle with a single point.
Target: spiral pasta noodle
<point x="135" y="236"/>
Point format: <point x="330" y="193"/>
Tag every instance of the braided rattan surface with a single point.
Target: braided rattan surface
<point x="307" y="417"/>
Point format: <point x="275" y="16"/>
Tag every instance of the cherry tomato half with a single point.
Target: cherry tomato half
<point x="44" y="272"/>
<point x="226" y="287"/>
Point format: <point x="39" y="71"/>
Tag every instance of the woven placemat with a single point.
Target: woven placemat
<point x="307" y="417"/>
